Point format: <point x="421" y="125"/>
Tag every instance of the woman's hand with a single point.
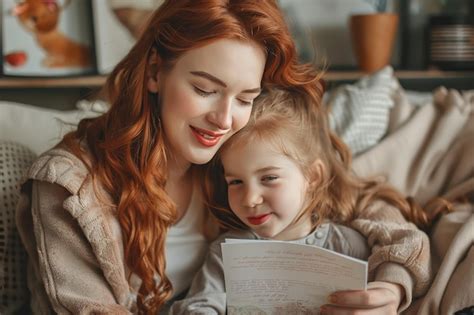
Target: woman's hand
<point x="379" y="298"/>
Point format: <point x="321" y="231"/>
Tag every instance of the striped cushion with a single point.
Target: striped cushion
<point x="359" y="112"/>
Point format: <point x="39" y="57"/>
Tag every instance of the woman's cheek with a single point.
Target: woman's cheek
<point x="242" y="117"/>
<point x="184" y="100"/>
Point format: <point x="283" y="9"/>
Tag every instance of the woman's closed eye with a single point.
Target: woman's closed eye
<point x="246" y="103"/>
<point x="247" y="99"/>
<point x="202" y="92"/>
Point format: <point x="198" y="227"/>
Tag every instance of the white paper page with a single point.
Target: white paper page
<point x="268" y="277"/>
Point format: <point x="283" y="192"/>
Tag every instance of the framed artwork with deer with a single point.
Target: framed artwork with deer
<point x="47" y="37"/>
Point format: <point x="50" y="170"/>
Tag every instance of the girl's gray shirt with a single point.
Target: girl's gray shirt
<point x="207" y="293"/>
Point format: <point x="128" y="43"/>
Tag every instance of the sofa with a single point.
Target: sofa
<point x="25" y="132"/>
<point x="422" y="143"/>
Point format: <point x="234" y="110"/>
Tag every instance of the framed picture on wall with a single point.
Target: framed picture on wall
<point x="47" y="38"/>
<point x="117" y="24"/>
<point x="113" y="39"/>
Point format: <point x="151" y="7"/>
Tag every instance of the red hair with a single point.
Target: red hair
<point x="127" y="144"/>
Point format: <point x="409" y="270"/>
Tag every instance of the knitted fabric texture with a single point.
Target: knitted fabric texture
<point x="14" y="161"/>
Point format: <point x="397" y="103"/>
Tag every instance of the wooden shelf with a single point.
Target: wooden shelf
<point x="401" y="74"/>
<point x="48" y="82"/>
<point x="96" y="81"/>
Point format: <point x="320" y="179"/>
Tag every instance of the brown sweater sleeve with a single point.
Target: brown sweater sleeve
<point x="400" y="252"/>
<point x="66" y="265"/>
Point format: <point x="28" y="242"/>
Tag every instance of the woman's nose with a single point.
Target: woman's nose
<point x="221" y="116"/>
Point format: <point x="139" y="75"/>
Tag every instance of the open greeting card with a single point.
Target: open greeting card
<point x="274" y="277"/>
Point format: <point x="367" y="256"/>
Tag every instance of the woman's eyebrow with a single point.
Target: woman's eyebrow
<point x="212" y="78"/>
<point x="208" y="76"/>
<point x="255" y="90"/>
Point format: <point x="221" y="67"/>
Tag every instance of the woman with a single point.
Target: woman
<point x="118" y="223"/>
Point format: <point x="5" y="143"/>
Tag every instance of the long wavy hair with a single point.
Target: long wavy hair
<point x="298" y="129"/>
<point x="126" y="146"/>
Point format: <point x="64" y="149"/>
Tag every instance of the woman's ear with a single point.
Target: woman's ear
<point x="152" y="72"/>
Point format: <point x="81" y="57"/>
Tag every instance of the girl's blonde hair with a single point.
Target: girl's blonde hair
<point x="299" y="128"/>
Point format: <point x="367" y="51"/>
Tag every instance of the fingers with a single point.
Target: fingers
<point x="335" y="310"/>
<point x="396" y="288"/>
<point x="371" y="298"/>
<point x="367" y="302"/>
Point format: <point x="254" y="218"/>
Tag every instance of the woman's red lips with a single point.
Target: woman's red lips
<point x="206" y="137"/>
<point x="259" y="219"/>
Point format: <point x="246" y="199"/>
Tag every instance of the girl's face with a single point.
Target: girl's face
<point x="266" y="190"/>
<point x="207" y="96"/>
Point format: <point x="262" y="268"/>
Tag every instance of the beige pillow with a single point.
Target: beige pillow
<point x="37" y="128"/>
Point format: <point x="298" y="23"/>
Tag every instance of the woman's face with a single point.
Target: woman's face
<point x="207" y="96"/>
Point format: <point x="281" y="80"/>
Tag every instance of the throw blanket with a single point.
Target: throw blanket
<point x="429" y="152"/>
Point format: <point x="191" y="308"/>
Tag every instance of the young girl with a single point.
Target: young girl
<point x="285" y="181"/>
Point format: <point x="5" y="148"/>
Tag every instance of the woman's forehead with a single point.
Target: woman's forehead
<point x="230" y="61"/>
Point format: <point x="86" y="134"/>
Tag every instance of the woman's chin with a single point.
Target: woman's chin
<point x="202" y="156"/>
<point x="201" y="159"/>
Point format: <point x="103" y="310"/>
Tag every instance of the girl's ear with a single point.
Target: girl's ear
<point x="152" y="71"/>
<point x="316" y="173"/>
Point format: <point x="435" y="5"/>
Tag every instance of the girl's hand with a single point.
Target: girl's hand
<point x="379" y="298"/>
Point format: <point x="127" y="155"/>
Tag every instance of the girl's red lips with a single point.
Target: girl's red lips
<point x="206" y="137"/>
<point x="259" y="219"/>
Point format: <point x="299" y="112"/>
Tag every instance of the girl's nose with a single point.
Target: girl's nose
<point x="252" y="197"/>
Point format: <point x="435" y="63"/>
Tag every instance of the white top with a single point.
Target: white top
<point x="186" y="246"/>
<point x="185" y="249"/>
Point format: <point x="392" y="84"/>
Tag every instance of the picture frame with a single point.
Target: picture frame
<point x="117" y="24"/>
<point x="47" y="38"/>
<point x="113" y="40"/>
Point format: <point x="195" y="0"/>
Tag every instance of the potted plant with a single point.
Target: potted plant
<point x="373" y="36"/>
